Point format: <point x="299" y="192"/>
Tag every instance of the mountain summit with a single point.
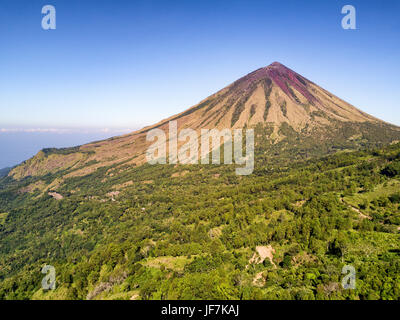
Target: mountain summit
<point x="273" y="94"/>
<point x="273" y="97"/>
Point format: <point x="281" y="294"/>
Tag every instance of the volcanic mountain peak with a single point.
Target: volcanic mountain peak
<point x="275" y="64"/>
<point x="283" y="77"/>
<point x="272" y="96"/>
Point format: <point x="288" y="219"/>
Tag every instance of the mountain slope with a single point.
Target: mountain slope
<point x="195" y="232"/>
<point x="273" y="94"/>
<point x="272" y="97"/>
<point x="115" y="227"/>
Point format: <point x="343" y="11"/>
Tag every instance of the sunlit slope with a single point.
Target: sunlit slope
<point x="273" y="97"/>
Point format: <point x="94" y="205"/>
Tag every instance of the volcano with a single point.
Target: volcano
<point x="273" y="97"/>
<point x="274" y="94"/>
<point x="322" y="188"/>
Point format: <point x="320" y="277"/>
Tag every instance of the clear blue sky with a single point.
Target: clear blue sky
<point x="125" y="64"/>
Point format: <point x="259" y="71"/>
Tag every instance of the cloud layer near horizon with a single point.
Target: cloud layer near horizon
<point x="65" y="130"/>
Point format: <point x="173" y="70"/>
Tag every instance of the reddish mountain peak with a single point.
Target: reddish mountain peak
<point x="276" y="64"/>
<point x="282" y="76"/>
<point x="287" y="79"/>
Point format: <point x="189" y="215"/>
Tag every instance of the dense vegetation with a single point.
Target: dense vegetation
<point x="189" y="232"/>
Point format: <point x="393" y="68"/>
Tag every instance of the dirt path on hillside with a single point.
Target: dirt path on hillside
<point x="56" y="195"/>
<point x="361" y="215"/>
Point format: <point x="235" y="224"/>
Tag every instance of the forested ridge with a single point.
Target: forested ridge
<point x="191" y="231"/>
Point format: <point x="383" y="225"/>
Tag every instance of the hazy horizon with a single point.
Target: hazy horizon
<point x="107" y="65"/>
<point x="229" y="151"/>
<point x="20" y="145"/>
<point x="129" y="66"/>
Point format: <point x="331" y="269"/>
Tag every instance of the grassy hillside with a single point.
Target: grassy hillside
<point x="190" y="232"/>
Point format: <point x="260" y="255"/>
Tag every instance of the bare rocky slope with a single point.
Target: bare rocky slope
<point x="273" y="96"/>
